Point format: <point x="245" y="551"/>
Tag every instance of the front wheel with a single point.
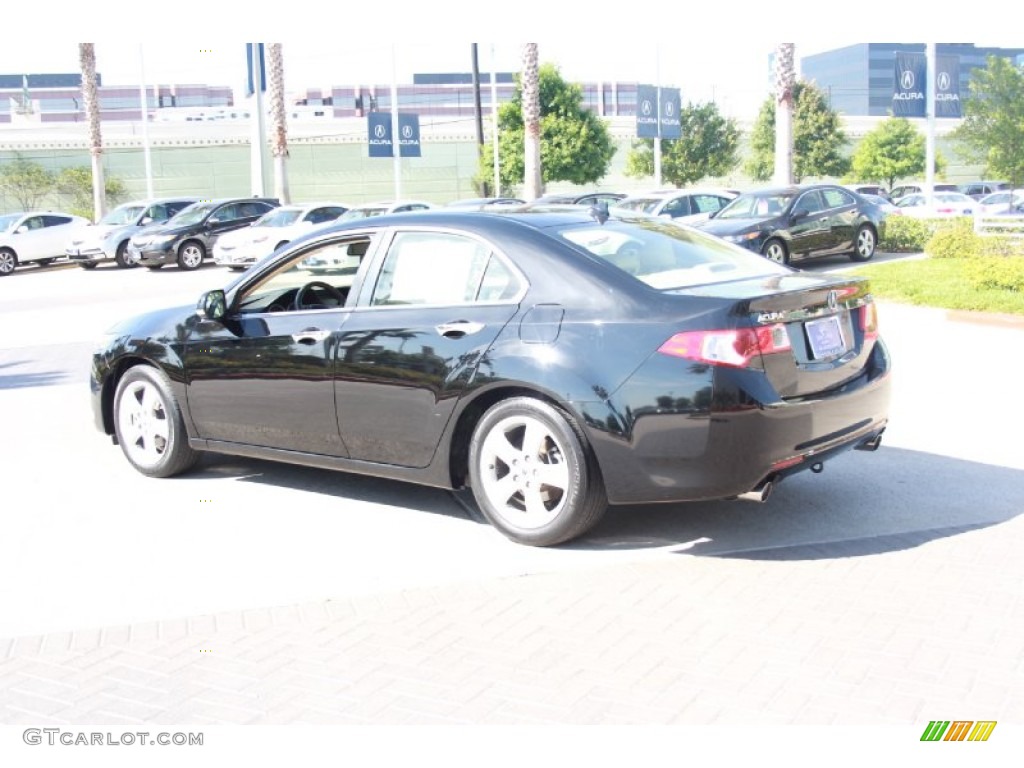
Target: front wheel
<point x="775" y="250"/>
<point x="123" y="259"/>
<point x="533" y="475"/>
<point x="8" y="261"/>
<point x="149" y="425"/>
<point x="191" y="255"/>
<point x="864" y="244"/>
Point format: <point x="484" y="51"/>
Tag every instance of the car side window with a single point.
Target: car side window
<point x="225" y="213"/>
<point x="277" y="291"/>
<point x="810" y="202"/>
<point x="34" y="222"/>
<point x="55" y="221"/>
<point x="679" y="206"/>
<point x="836" y="198"/>
<point x="436" y="268"/>
<point x="708" y="203"/>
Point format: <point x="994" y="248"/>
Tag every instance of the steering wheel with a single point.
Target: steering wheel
<point x="312" y="287"/>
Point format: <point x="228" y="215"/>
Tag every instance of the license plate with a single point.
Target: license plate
<point x="825" y="337"/>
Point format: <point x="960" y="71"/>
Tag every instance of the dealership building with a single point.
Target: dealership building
<point x="859" y="79"/>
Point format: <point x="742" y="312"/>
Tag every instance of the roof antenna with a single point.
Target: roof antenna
<point x="599" y="211"/>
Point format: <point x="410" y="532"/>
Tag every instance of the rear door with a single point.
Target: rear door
<point x="419" y="335"/>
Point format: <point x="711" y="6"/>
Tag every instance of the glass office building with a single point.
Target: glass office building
<point x="858" y="79"/>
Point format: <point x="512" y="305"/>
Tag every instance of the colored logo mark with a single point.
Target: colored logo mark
<point x="958" y="730"/>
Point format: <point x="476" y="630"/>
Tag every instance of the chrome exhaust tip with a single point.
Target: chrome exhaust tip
<point x="759" y="494"/>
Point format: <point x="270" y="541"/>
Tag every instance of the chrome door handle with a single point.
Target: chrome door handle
<point x="310" y="336"/>
<point x="458" y="329"/>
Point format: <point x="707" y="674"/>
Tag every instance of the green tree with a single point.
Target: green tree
<point x="709" y="146"/>
<point x="893" y="150"/>
<point x="576" y="145"/>
<point x="26" y="181"/>
<point x="992" y="131"/>
<point x="76" y="184"/>
<point x="818" y="137"/>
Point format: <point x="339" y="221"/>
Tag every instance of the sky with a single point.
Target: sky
<point x="717" y="51"/>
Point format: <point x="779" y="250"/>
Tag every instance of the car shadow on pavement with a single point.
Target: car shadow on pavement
<point x="862" y="504"/>
<point x="29" y="378"/>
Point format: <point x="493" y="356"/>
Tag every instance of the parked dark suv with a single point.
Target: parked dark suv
<point x="188" y="238"/>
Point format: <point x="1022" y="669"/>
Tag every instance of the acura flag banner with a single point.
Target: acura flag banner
<point x="650" y="123"/>
<point x="947" y="86"/>
<point x="908" y="98"/>
<point x="378" y="132"/>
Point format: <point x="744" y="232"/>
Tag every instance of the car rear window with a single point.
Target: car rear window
<point x="665" y="255"/>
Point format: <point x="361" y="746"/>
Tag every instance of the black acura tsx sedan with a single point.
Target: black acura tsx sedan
<point x="552" y="360"/>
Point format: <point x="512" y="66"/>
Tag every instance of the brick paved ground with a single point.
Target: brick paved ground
<point x="895" y="631"/>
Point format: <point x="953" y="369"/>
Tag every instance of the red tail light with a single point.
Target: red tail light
<point x="735" y="347"/>
<point x="869" y="321"/>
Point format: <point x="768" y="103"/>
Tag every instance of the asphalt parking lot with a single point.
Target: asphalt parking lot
<point x="884" y="591"/>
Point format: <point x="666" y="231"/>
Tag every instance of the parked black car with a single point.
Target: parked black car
<point x="791" y="224"/>
<point x="554" y="362"/>
<point x="573" y="198"/>
<point x="187" y="238"/>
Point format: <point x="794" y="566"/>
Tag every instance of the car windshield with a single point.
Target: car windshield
<point x="642" y="204"/>
<point x="279" y="217"/>
<point x="192" y="215"/>
<point x="665" y="256"/>
<point x="756" y="205"/>
<point x="126" y="214"/>
<point x="7" y="222"/>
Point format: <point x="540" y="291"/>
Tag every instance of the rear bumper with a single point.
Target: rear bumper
<point x="733" y="444"/>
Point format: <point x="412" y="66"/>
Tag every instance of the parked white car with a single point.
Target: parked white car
<point x="686" y="206"/>
<point x="35" y="236"/>
<point x="108" y="239"/>
<point x="1000" y="202"/>
<point x="242" y="247"/>
<point x="384" y="207"/>
<point x="943" y="204"/>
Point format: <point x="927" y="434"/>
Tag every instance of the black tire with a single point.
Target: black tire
<point x="44" y="262"/>
<point x="154" y="267"/>
<point x="552" y="490"/>
<point x="191" y="254"/>
<point x="149" y="425"/>
<point x="8" y="261"/>
<point x="864" y="244"/>
<point x="121" y="257"/>
<point x="775" y="250"/>
<point x="87" y="264"/>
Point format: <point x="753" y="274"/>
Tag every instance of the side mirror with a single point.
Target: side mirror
<point x="800" y="213"/>
<point x="212" y="305"/>
<point x="21" y="230"/>
<point x="713" y="214"/>
<point x="145" y="220"/>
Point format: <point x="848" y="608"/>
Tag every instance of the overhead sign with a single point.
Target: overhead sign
<point x="250" y="90"/>
<point x="657" y="112"/>
<point x="908" y="98"/>
<point x="378" y="133"/>
<point x="947" y="86"/>
<point x="670" y="126"/>
<point x="646" y="112"/>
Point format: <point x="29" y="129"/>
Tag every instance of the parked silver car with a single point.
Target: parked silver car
<point x="108" y="240"/>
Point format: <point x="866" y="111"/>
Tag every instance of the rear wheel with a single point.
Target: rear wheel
<point x="122" y="258"/>
<point x="864" y="244"/>
<point x="775" y="250"/>
<point x="8" y="261"/>
<point x="191" y="254"/>
<point x="533" y="475"/>
<point x="149" y="426"/>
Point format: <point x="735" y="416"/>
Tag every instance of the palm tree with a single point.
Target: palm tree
<point x="90" y="98"/>
<point x="531" y="121"/>
<point x="785" y="79"/>
<point x="279" y="146"/>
